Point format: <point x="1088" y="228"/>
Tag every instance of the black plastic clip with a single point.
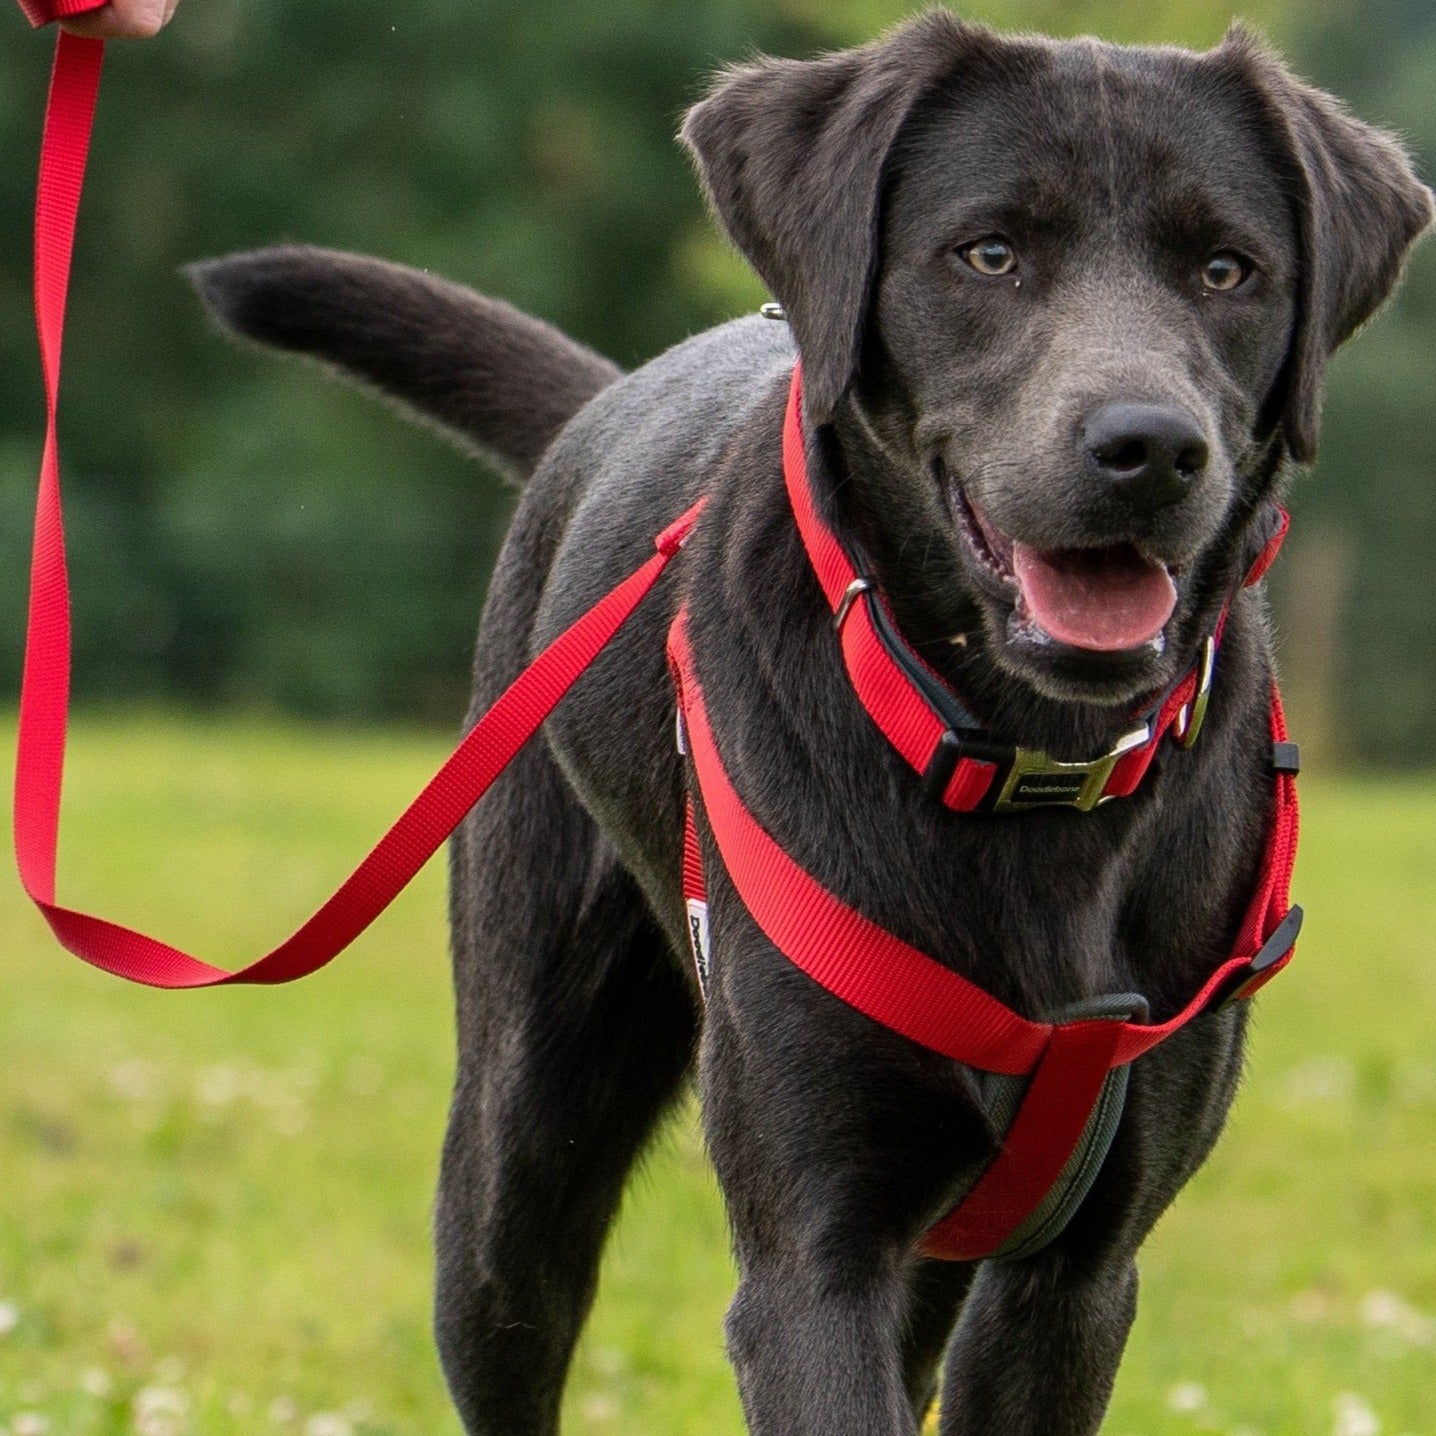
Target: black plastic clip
<point x="1271" y="952"/>
<point x="942" y="765"/>
<point x="1285" y="758"/>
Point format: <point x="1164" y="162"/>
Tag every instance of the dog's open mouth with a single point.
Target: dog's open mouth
<point x="1104" y="600"/>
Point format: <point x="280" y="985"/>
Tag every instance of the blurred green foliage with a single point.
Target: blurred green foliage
<point x="247" y="534"/>
<point x="1375" y="483"/>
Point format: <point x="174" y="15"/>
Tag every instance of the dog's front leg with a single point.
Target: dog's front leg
<point x="1037" y="1349"/>
<point x="830" y="1162"/>
<point x="815" y="1350"/>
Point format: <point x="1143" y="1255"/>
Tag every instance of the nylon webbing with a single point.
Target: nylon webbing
<point x="42" y="12"/>
<point x="44" y="700"/>
<point x="881" y="976"/>
<point x="892" y="982"/>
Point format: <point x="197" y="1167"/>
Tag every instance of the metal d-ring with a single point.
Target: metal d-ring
<point x="1195" y="712"/>
<point x="851" y="594"/>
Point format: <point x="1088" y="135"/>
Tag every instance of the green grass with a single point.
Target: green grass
<point x="214" y="1206"/>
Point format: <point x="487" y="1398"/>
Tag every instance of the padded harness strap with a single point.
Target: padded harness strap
<point x="903" y="989"/>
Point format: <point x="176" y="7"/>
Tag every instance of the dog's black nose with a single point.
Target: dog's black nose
<point x="1151" y="454"/>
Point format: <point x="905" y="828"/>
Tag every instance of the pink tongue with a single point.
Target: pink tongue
<point x="1104" y="600"/>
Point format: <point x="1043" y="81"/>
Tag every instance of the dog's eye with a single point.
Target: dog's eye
<point x="990" y="256"/>
<point x="1225" y="271"/>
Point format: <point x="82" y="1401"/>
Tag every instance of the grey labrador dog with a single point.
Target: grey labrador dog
<point x="1064" y="311"/>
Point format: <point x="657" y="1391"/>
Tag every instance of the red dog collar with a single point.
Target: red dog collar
<point x="928" y="723"/>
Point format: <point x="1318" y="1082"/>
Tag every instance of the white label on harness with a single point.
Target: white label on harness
<point x="698" y="939"/>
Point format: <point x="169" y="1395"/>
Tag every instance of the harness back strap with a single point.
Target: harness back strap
<point x="421" y="828"/>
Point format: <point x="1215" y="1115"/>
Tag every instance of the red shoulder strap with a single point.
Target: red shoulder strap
<point x="44" y="699"/>
<point x="890" y="981"/>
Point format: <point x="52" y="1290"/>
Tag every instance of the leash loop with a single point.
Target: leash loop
<point x="44" y="702"/>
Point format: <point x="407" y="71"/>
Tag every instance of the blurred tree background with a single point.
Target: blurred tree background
<point x="246" y="533"/>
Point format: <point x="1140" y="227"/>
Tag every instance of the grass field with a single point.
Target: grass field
<point x="214" y="1207"/>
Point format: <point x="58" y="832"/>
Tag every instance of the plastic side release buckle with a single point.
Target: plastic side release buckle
<point x="1261" y="968"/>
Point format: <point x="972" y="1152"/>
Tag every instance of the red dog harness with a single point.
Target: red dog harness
<point x="1059" y="1082"/>
<point x="1061" y="1114"/>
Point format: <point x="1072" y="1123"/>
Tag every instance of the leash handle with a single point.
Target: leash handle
<point x="43" y="12"/>
<point x="44" y="701"/>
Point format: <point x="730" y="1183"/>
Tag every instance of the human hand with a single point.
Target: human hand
<point x="123" y="20"/>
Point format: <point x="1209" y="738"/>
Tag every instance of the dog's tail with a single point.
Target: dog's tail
<point x="498" y="382"/>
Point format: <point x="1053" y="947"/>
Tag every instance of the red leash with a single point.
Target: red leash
<point x="42" y="12"/>
<point x="44" y="699"/>
<point x="1069" y="1063"/>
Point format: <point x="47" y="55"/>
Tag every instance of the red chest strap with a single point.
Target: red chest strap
<point x="876" y="972"/>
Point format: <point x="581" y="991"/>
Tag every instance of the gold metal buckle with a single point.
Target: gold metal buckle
<point x="1195" y="712"/>
<point x="1035" y="780"/>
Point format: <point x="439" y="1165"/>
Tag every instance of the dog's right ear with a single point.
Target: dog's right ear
<point x="792" y="152"/>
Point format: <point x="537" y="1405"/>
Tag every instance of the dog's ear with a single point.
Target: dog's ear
<point x="791" y="153"/>
<point x="1360" y="207"/>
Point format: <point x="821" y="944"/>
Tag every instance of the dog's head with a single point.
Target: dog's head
<point x="1073" y="302"/>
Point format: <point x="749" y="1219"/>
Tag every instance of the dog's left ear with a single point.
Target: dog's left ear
<point x="1360" y="208"/>
<point x="792" y="152"/>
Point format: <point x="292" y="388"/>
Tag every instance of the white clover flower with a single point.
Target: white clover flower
<point x="95" y="1381"/>
<point x="328" y="1423"/>
<point x="1386" y="1311"/>
<point x="1322" y="1079"/>
<point x="219" y="1086"/>
<point x="1187" y="1397"/>
<point x="9" y="1317"/>
<point x="1354" y="1417"/>
<point x="136" y="1080"/>
<point x="30" y="1423"/>
<point x="160" y="1411"/>
<point x="599" y="1407"/>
